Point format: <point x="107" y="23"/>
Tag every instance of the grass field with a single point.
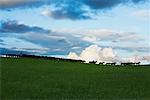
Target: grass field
<point x="39" y="79"/>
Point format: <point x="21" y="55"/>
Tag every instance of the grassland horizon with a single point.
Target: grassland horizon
<point x="41" y="79"/>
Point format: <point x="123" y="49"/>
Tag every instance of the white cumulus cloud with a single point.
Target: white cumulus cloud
<point x="95" y="53"/>
<point x="73" y="55"/>
<point x="91" y="53"/>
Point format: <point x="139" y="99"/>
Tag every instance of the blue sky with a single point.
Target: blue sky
<point x="63" y="26"/>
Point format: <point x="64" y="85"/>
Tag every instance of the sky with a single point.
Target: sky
<point x="59" y="27"/>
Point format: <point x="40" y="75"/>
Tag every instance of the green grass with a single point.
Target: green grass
<point x="39" y="79"/>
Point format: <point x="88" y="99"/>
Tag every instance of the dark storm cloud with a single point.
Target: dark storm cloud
<point x="106" y="4"/>
<point x="71" y="9"/>
<point x="97" y="4"/>
<point x="74" y="9"/>
<point x="15" y="27"/>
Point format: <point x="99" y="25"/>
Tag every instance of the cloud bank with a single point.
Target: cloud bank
<point x="68" y="9"/>
<point x="64" y="41"/>
<point x="95" y="53"/>
<point x="58" y="42"/>
<point x="12" y="26"/>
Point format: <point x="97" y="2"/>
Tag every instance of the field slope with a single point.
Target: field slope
<point x="39" y="79"/>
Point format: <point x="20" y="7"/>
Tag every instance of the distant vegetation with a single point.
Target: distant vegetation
<point x="51" y="79"/>
<point x="64" y="59"/>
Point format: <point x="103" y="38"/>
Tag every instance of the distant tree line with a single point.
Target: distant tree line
<point x="71" y="60"/>
<point x="36" y="56"/>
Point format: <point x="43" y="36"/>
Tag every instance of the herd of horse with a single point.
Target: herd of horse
<point x="71" y="60"/>
<point x="114" y="63"/>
